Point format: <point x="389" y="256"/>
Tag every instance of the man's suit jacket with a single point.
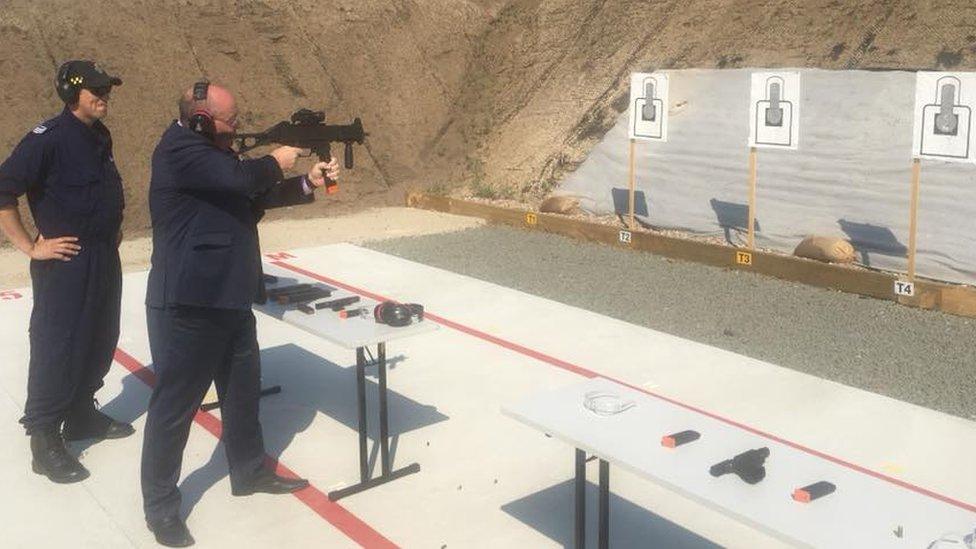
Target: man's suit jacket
<point x="205" y="204"/>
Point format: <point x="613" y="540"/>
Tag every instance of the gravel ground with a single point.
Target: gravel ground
<point x="922" y="357"/>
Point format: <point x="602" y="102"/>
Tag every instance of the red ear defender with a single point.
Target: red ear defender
<point x="378" y="312"/>
<point x="201" y="121"/>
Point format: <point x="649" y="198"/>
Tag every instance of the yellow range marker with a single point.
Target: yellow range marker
<point x="531" y="219"/>
<point x="743" y="258"/>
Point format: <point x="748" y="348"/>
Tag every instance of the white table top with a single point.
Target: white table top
<point x="863" y="512"/>
<point x="350" y="333"/>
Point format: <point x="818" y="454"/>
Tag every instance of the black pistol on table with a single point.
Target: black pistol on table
<point x="749" y="466"/>
<point x="307" y="130"/>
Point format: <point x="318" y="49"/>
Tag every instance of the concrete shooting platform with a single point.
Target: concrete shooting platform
<point x="485" y="479"/>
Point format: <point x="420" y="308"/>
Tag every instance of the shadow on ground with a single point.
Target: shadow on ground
<point x="310" y="385"/>
<point x="551" y="512"/>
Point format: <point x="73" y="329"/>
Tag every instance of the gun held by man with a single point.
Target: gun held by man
<point x="307" y="130"/>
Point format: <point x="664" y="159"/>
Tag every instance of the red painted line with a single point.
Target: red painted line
<point x="10" y="295"/>
<point x="585" y="372"/>
<point x="312" y="497"/>
<point x="445" y="322"/>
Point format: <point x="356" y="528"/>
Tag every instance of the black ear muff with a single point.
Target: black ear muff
<point x="67" y="90"/>
<point x="416" y="310"/>
<point x="201" y="121"/>
<point x="397" y="314"/>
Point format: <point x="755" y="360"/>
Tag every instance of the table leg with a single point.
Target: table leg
<point x="384" y="416"/>
<point x="268" y="391"/>
<point x="604" y="504"/>
<point x="361" y="396"/>
<point x="387" y="474"/>
<point x="580" y="499"/>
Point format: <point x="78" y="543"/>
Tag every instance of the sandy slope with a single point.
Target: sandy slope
<point x="505" y="95"/>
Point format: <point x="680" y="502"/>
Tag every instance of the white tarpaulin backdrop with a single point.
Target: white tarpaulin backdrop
<point x="850" y="177"/>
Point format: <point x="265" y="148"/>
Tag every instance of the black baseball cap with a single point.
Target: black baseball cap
<point x="81" y="73"/>
<point x="86" y="74"/>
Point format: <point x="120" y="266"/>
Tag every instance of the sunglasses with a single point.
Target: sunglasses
<point x="101" y="91"/>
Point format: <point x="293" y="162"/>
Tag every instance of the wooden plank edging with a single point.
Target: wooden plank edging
<point x="949" y="298"/>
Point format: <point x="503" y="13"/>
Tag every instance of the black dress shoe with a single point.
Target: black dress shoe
<point x="89" y="422"/>
<point x="171" y="532"/>
<point x="266" y="481"/>
<point x="51" y="458"/>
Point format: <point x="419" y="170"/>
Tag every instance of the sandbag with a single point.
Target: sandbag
<point x="826" y="248"/>
<point x="560" y="204"/>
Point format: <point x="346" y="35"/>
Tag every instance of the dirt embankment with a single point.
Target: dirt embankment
<point x="503" y="96"/>
<point x="394" y="63"/>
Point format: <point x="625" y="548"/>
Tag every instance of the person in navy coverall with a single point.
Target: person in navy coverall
<point x="74" y="191"/>
<point x="205" y="204"/>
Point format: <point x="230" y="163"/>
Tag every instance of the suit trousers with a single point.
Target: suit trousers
<point x="192" y="346"/>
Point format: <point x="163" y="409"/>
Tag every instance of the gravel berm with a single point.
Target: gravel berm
<point x="923" y="357"/>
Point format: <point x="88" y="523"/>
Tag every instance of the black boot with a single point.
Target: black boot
<point x="52" y="459"/>
<point x="86" y="421"/>
<point x="268" y="482"/>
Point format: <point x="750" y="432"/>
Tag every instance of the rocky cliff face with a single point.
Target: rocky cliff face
<point x="502" y="95"/>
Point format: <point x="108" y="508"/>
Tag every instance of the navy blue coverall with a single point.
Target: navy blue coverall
<point x="206" y="272"/>
<point x="73" y="188"/>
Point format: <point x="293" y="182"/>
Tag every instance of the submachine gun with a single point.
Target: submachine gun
<point x="308" y="130"/>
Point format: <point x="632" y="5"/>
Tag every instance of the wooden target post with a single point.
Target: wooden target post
<point x="774" y="123"/>
<point x="942" y="132"/>
<point x="913" y="217"/>
<point x="648" y="121"/>
<point x="752" y="198"/>
<point x="633" y="184"/>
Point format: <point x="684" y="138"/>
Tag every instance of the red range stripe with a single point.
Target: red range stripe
<point x="445" y="322"/>
<point x="312" y="497"/>
<point x="585" y="372"/>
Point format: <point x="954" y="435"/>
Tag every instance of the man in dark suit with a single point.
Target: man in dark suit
<point x="205" y="203"/>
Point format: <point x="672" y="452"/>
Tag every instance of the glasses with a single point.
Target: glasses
<point x="230" y="122"/>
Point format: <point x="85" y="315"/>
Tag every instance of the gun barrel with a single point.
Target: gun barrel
<point x="721" y="468"/>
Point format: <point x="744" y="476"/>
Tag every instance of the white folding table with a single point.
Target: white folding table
<point x="359" y="333"/>
<point x="866" y="510"/>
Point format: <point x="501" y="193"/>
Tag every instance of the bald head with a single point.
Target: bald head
<point x="220" y="103"/>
